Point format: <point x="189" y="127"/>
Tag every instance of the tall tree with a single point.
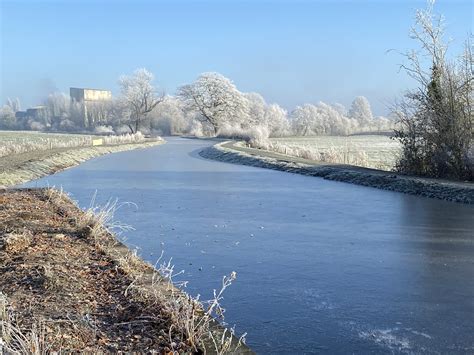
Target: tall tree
<point x="139" y="96"/>
<point x="361" y="111"/>
<point x="276" y="119"/>
<point x="303" y="119"/>
<point x="14" y="104"/>
<point x="436" y="119"/>
<point x="215" y="99"/>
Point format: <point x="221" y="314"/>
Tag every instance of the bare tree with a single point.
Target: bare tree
<point x="14" y="104"/>
<point x="139" y="96"/>
<point x="7" y="117"/>
<point x="437" y="119"/>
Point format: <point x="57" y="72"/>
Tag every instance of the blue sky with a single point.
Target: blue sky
<point x="292" y="52"/>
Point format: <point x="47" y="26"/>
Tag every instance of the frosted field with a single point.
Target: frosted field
<point x="379" y="152"/>
<point x="27" y="141"/>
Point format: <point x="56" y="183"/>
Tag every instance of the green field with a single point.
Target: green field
<point x="373" y="151"/>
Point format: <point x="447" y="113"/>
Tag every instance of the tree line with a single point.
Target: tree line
<point x="211" y="105"/>
<point x="433" y="122"/>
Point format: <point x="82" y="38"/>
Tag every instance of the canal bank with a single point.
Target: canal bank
<point x="232" y="152"/>
<point x="67" y="284"/>
<point x="20" y="168"/>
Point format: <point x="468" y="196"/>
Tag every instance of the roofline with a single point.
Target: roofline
<point x="90" y="89"/>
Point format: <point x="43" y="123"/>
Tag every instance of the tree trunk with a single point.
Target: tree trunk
<point x="137" y="124"/>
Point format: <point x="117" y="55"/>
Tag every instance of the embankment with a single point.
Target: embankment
<point x="19" y="168"/>
<point x="444" y="190"/>
<point x="67" y="284"/>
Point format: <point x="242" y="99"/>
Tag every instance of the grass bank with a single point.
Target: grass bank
<point x="67" y="285"/>
<point x="440" y="189"/>
<point x="19" y="168"/>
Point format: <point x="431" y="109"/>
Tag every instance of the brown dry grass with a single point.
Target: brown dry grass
<point x="67" y="285"/>
<point x="53" y="272"/>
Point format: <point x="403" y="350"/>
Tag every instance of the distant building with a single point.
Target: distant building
<point x="21" y="115"/>
<point x="37" y="112"/>
<point x="91" y="105"/>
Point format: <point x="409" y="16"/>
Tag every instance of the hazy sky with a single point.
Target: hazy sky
<point x="292" y="52"/>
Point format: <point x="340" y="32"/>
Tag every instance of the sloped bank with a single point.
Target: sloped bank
<point x="439" y="189"/>
<point x="20" y="168"/>
<point x="67" y="285"/>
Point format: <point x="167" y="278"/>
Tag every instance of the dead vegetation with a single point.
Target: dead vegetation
<point x="68" y="285"/>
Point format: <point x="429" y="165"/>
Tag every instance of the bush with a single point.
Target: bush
<point x="36" y="126"/>
<point x="104" y="130"/>
<point x="123" y="129"/>
<point x="67" y="125"/>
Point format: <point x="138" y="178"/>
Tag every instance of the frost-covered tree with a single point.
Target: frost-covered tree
<point x="256" y="107"/>
<point x="139" y="96"/>
<point x="271" y="117"/>
<point x="340" y="108"/>
<point x="321" y="119"/>
<point x="330" y="120"/>
<point x="99" y="113"/>
<point x="383" y="123"/>
<point x="276" y="120"/>
<point x="59" y="108"/>
<point x="14" y="104"/>
<point x="215" y="100"/>
<point x="58" y="104"/>
<point x="169" y="117"/>
<point x="436" y="121"/>
<point x="303" y="119"/>
<point x="361" y="111"/>
<point x="7" y="117"/>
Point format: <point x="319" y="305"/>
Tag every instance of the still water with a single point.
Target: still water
<point x="322" y="266"/>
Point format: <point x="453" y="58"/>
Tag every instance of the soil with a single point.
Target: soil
<point x="55" y="275"/>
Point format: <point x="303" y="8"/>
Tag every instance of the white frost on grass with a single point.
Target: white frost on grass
<point x="444" y="190"/>
<point x="369" y="151"/>
<point x="17" y="142"/>
<point x="26" y="141"/>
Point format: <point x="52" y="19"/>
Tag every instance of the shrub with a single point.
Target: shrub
<point x="36" y="126"/>
<point x="104" y="130"/>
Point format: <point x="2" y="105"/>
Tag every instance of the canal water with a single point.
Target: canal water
<point x="322" y="266"/>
